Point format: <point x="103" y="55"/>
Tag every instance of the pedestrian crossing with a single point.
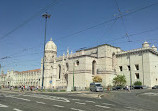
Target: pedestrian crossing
<point x="93" y="104"/>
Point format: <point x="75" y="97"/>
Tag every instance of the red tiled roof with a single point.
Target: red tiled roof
<point x="35" y="70"/>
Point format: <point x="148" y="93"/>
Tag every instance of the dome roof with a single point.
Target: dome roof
<point x="153" y="46"/>
<point x="145" y="45"/>
<point x="145" y="42"/>
<point x="51" y="46"/>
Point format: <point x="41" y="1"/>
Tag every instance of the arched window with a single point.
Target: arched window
<point x="59" y="71"/>
<point x="113" y="61"/>
<point x="67" y="67"/>
<point x="77" y="62"/>
<point x="94" y="67"/>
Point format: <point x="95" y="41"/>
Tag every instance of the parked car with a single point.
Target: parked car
<point x="130" y="87"/>
<point x="117" y="88"/>
<point x="138" y="87"/>
<point x="155" y="87"/>
<point x="96" y="87"/>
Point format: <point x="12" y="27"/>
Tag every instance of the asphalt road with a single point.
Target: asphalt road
<point x="113" y="101"/>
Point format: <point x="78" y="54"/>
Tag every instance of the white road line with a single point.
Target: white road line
<point x="80" y="103"/>
<point x="77" y="109"/>
<point x="3" y="106"/>
<point x="90" y="101"/>
<point x="76" y="99"/>
<point x="19" y="98"/>
<point x="50" y="98"/>
<point x="17" y="109"/>
<point x="108" y="104"/>
<point x="40" y="102"/>
<point x="102" y="106"/>
<point x="58" y="106"/>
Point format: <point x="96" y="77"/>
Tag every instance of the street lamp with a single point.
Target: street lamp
<point x="74" y="65"/>
<point x="44" y="16"/>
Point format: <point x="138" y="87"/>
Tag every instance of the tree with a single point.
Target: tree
<point x="119" y="80"/>
<point x="137" y="83"/>
<point x="97" y="79"/>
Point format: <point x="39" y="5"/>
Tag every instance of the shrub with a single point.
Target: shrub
<point x="119" y="80"/>
<point x="137" y="83"/>
<point x="97" y="79"/>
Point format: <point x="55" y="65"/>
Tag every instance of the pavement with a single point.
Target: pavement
<point x="136" y="100"/>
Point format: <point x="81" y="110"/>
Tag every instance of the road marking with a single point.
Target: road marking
<point x="17" y="109"/>
<point x="90" y="101"/>
<point x="40" y="102"/>
<point x="19" y="98"/>
<point x="108" y="104"/>
<point x="102" y="106"/>
<point x="80" y="103"/>
<point x="134" y="109"/>
<point x="50" y="98"/>
<point x="76" y="99"/>
<point x="58" y="106"/>
<point x="3" y="106"/>
<point x="76" y="109"/>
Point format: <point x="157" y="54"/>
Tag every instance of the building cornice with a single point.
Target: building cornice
<point x="141" y="50"/>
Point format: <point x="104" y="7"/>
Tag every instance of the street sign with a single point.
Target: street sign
<point x="50" y="81"/>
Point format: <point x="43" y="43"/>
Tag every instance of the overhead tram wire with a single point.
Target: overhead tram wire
<point x="114" y="19"/>
<point x="29" y="19"/>
<point x="80" y="30"/>
<point x="134" y="34"/>
<point x="110" y="41"/>
<point x="107" y="21"/>
<point x="52" y="4"/>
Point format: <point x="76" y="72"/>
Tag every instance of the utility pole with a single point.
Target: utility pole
<point x="73" y="76"/>
<point x="130" y="71"/>
<point x="44" y="16"/>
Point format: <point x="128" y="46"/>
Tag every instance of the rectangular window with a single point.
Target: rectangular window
<point x="137" y="67"/>
<point x="129" y="67"/>
<point x="121" y="68"/>
<point x="137" y="75"/>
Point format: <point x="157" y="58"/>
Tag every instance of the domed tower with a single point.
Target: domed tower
<point x="50" y="51"/>
<point x="154" y="48"/>
<point x="49" y="64"/>
<point x="145" y="45"/>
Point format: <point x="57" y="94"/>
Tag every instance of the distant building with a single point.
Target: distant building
<point x="104" y="60"/>
<point x="2" y="78"/>
<point x="141" y="63"/>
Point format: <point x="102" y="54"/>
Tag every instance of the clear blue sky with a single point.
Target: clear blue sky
<point x="22" y="27"/>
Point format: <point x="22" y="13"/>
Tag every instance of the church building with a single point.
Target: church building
<point x="78" y="69"/>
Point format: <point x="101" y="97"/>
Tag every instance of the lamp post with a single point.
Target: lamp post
<point x="73" y="76"/>
<point x="44" y="16"/>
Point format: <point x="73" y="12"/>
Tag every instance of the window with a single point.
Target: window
<point x="137" y="67"/>
<point x="137" y="75"/>
<point x="156" y="79"/>
<point x="129" y="68"/>
<point x="67" y="67"/>
<point x="59" y="71"/>
<point x="94" y="67"/>
<point x="77" y="62"/>
<point x="120" y="68"/>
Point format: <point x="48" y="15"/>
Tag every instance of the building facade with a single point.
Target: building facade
<point x="78" y="69"/>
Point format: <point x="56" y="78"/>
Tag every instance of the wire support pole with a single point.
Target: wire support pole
<point x="44" y="16"/>
<point x="73" y="78"/>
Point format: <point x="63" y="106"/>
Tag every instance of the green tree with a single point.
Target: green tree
<point x="97" y="79"/>
<point x="119" y="80"/>
<point x="137" y="83"/>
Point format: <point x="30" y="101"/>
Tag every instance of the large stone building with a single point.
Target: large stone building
<point x="104" y="60"/>
<point x="15" y="78"/>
